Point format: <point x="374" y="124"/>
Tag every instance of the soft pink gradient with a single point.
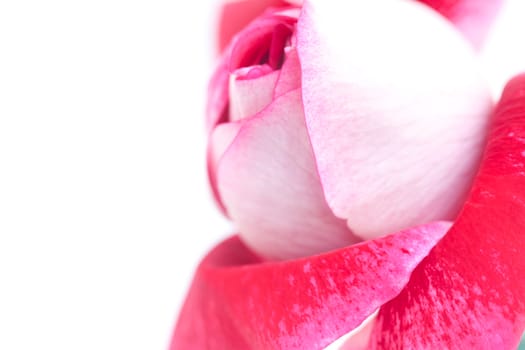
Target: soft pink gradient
<point x="436" y="287"/>
<point x="382" y="136"/>
<point x="388" y="114"/>
<point x="326" y="131"/>
<point x="269" y="184"/>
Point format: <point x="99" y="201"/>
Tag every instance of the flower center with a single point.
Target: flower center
<point x="265" y="46"/>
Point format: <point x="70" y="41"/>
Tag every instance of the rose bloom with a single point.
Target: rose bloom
<point x="345" y="137"/>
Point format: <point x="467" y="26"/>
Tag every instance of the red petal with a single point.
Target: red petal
<point x="469" y="293"/>
<point x="236" y="302"/>
<point x="472" y="17"/>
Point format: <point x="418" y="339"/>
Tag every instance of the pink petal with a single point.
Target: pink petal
<point x="290" y="74"/>
<point x="241" y="53"/>
<point x="469" y="293"/>
<point x="249" y="96"/>
<point x="254" y="42"/>
<point x="388" y="113"/>
<point x="216" y="108"/>
<point x="235" y="15"/>
<point x="472" y="17"/>
<point x="269" y="185"/>
<point x="245" y="50"/>
<point x="236" y="302"/>
<point x="220" y="139"/>
<point x="357" y="339"/>
<point x="360" y="340"/>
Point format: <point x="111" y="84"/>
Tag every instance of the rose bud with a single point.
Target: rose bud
<point x="343" y="121"/>
<point x="436" y="288"/>
<point x="294" y="116"/>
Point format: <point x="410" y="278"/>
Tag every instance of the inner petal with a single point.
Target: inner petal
<point x="264" y="43"/>
<point x="280" y="39"/>
<point x="249" y="96"/>
<point x="255" y="64"/>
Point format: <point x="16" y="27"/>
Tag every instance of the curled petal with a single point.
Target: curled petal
<point x="469" y="293"/>
<point x="241" y="53"/>
<point x="237" y="302"/>
<point x="396" y="126"/>
<point x="269" y="184"/>
<point x="249" y="96"/>
<point x="246" y="50"/>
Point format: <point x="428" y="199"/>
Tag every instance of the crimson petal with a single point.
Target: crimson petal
<point x="238" y="302"/>
<point x="469" y="293"/>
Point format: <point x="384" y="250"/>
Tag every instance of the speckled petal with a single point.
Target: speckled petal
<point x="469" y="293"/>
<point x="238" y="302"/>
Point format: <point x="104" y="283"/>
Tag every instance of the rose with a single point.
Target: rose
<point x="468" y="293"/>
<point x="465" y="294"/>
<point x="331" y="121"/>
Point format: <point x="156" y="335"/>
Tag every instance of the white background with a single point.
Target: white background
<point x="104" y="203"/>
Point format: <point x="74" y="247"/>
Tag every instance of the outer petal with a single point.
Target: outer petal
<point x="388" y="113"/>
<point x="237" y="303"/>
<point x="472" y="17"/>
<point x="469" y="293"/>
<point x="269" y="185"/>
